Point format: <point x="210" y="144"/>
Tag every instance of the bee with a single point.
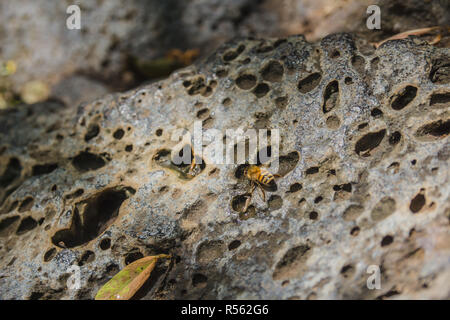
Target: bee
<point x="259" y="177"/>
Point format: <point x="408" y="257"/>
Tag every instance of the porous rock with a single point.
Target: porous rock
<point x="364" y="144"/>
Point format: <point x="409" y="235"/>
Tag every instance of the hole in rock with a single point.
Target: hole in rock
<point x="273" y="72"/>
<point x="129" y="148"/>
<point x="86" y="258"/>
<point x="352" y="212"/>
<point x="358" y="63"/>
<point x="226" y="102"/>
<point x="309" y="83"/>
<point x="362" y="125"/>
<point x="77" y="193"/>
<point x="387" y="240"/>
<point x="369" y="142"/>
<point x="112" y="269"/>
<point x="86" y="161"/>
<point x="275" y="202"/>
<point x="403" y="97"/>
<point x="203" y="113"/>
<point x="221" y="73"/>
<point x="93" y="216"/>
<point x="261" y="90"/>
<point x="355" y="231"/>
<point x="26" y="225"/>
<point x="230" y="55"/>
<point x="234" y="245"/>
<point x="435" y="130"/>
<point x="105" y="244"/>
<point x="5" y="225"/>
<point x="238" y="202"/>
<point x="26" y="204"/>
<point x="347" y="271"/>
<point x="417" y="202"/>
<point x="198" y="86"/>
<point x="312" y="170"/>
<point x="440" y="71"/>
<point x="40" y="169"/>
<point x="376" y="113"/>
<point x="281" y="102"/>
<point x="313" y="215"/>
<point x="12" y="172"/>
<point x="333" y="122"/>
<point x="295" y="187"/>
<point x="395" y="138"/>
<point x="199" y="280"/>
<point x="288" y="162"/>
<point x="331" y="97"/>
<point x="293" y="263"/>
<point x="48" y="256"/>
<point x="92" y="131"/>
<point x="118" y="134"/>
<point x="335" y="54"/>
<point x="133" y="256"/>
<point x="383" y="209"/>
<point x="440" y="98"/>
<point x="246" y="81"/>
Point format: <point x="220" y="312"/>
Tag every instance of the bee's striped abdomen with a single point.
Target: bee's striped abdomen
<point x="265" y="177"/>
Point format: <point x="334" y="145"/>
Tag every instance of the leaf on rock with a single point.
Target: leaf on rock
<point x="129" y="280"/>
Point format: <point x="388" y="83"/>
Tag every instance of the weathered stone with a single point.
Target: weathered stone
<point x="370" y="186"/>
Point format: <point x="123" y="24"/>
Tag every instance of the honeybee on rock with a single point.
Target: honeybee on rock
<point x="259" y="177"/>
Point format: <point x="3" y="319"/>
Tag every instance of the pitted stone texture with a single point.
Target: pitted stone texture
<point x="365" y="182"/>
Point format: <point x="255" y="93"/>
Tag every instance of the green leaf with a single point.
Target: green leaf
<point x="129" y="280"/>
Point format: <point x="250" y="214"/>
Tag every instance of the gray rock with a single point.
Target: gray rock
<point x="365" y="179"/>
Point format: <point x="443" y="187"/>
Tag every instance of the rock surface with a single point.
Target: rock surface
<point x="365" y="152"/>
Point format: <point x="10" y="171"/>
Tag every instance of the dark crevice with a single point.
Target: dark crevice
<point x="12" y="172"/>
<point x="273" y="72"/>
<point x="440" y="98"/>
<point x="92" y="132"/>
<point x="26" y="225"/>
<point x="417" y="202"/>
<point x="41" y="169"/>
<point x="246" y="81"/>
<point x="331" y="97"/>
<point x="403" y="98"/>
<point x="435" y="130"/>
<point x="309" y="83"/>
<point x="132" y="256"/>
<point x="92" y="216"/>
<point x="6" y="223"/>
<point x="86" y="161"/>
<point x="369" y="142"/>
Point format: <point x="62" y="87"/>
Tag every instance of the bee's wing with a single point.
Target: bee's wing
<point x="263" y="194"/>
